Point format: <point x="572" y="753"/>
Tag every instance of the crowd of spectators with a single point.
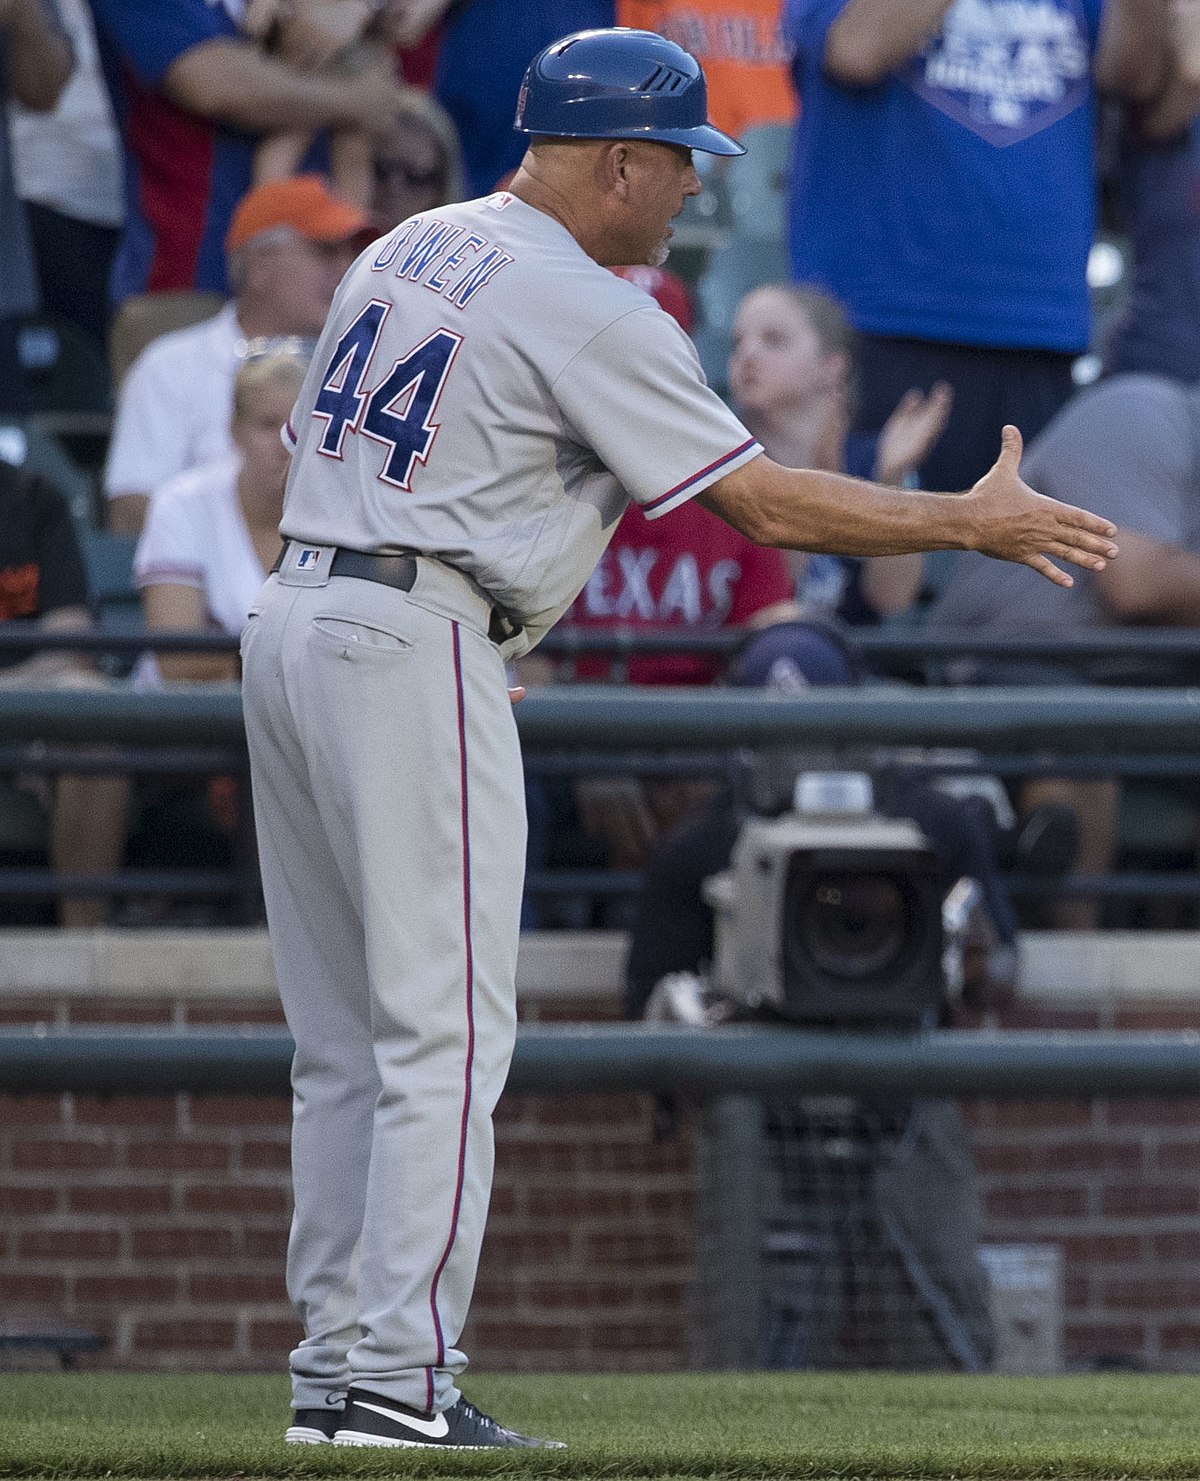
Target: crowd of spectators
<point x="209" y="168"/>
<point x="288" y="244"/>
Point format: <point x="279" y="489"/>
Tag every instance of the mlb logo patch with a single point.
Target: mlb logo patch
<point x="306" y="565"/>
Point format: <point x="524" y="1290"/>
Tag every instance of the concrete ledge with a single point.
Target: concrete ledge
<point x="137" y="964"/>
<point x="236" y="964"/>
<point x="1057" y="966"/>
<point x="1110" y="966"/>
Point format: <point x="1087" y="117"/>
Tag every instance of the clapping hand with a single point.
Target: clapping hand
<point x="910" y="433"/>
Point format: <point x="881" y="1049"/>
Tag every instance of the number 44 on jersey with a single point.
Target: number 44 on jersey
<point x="398" y="412"/>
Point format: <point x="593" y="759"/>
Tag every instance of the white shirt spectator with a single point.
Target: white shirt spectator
<point x="69" y="159"/>
<point x="196" y="535"/>
<point x="175" y="406"/>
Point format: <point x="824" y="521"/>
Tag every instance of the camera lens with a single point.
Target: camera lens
<point x="853" y="927"/>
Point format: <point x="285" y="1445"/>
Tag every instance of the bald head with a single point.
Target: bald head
<point x="617" y="197"/>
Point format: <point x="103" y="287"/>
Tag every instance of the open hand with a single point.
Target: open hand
<point x="1013" y="523"/>
<point x="909" y="434"/>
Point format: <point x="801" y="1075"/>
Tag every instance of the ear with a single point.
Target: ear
<point x="615" y="165"/>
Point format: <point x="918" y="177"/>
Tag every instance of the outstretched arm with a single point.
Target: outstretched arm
<point x="799" y="509"/>
<point x="233" y="82"/>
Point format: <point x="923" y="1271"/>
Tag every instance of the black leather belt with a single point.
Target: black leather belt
<point x="399" y="571"/>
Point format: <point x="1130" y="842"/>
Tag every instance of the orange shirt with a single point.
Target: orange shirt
<point x="741" y="48"/>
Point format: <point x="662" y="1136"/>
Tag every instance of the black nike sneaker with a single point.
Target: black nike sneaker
<point x="313" y="1426"/>
<point x="370" y="1419"/>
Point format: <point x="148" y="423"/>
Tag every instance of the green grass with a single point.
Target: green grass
<point x="737" y="1426"/>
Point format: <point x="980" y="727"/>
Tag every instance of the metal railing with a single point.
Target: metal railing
<point x="586" y="729"/>
<point x="900" y="642"/>
<point x="554" y="1059"/>
<point x="1048" y="723"/>
<point x="735" y="1074"/>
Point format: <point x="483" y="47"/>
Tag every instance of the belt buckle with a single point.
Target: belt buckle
<point x="502" y="626"/>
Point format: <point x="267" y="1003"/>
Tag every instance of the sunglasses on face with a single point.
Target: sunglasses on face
<point x="270" y="347"/>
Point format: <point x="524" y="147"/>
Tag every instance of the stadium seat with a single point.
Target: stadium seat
<point x="146" y="316"/>
<point x="65" y="388"/>
<point x="108" y="559"/>
<point x="746" y="263"/>
<point x="754" y="248"/>
<point x="1157" y="820"/>
<point x="112" y="596"/>
<point x="707" y="219"/>
<point x="24" y="826"/>
<point x="26" y="444"/>
<point x="64" y="373"/>
<point x="757" y="182"/>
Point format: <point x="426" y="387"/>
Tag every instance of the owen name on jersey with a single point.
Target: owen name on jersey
<point x="447" y="258"/>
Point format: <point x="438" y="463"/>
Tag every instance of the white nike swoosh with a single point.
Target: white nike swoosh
<point x="435" y="1428"/>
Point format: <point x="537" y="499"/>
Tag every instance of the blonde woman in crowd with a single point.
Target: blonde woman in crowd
<point x="212" y="534"/>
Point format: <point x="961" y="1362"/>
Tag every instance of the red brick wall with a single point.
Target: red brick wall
<point x="161" y="1221"/>
<point x="1117" y="1184"/>
<point x="589" y="1250"/>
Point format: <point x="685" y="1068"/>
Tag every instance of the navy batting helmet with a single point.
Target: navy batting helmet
<point x="619" y="84"/>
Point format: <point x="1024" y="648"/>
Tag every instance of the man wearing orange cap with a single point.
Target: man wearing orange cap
<point x="288" y="244"/>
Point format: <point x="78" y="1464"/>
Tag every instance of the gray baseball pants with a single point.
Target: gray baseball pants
<point x="391" y="829"/>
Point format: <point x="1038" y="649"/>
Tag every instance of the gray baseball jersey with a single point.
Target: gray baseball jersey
<point x="484" y="391"/>
<point x="488" y="396"/>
